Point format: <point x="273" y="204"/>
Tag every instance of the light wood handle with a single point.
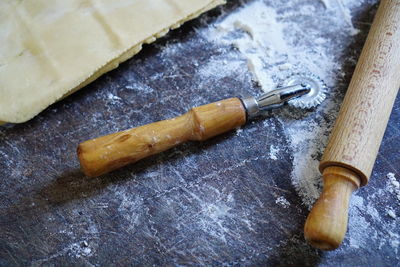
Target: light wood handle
<point x="327" y="223"/>
<point x="104" y="154"/>
<point x="359" y="128"/>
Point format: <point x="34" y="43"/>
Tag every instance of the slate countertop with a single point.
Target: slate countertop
<point x="209" y="203"/>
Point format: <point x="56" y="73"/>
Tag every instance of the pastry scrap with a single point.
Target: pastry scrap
<point x="50" y="49"/>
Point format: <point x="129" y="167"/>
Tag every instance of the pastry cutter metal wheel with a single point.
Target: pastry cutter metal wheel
<point x="104" y="154"/>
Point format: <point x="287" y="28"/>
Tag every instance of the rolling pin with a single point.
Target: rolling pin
<point x="355" y="139"/>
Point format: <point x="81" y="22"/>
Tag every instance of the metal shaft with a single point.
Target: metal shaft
<point x="274" y="99"/>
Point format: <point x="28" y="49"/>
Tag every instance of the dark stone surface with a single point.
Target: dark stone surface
<point x="210" y="203"/>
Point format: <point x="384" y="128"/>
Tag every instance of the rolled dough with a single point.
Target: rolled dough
<point x="50" y="49"/>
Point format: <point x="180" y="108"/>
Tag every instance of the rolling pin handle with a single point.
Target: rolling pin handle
<point x="326" y="224"/>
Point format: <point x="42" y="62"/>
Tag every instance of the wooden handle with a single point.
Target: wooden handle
<point x="359" y="128"/>
<point x="104" y="154"/>
<point x="327" y="223"/>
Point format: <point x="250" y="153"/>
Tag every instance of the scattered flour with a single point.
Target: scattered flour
<point x="213" y="215"/>
<point x="75" y="250"/>
<point x="305" y="175"/>
<point x="391" y="213"/>
<point x="254" y="31"/>
<point x="393" y="185"/>
<point x="359" y="224"/>
<point x="283" y="202"/>
<point x="79" y="250"/>
<point x="239" y="131"/>
<point x="361" y="209"/>
<point x="113" y="97"/>
<point x="259" y="33"/>
<point x="345" y="11"/>
<point x="128" y="208"/>
<point x="273" y="152"/>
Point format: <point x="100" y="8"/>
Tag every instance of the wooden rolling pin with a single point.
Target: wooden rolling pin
<point x="354" y="143"/>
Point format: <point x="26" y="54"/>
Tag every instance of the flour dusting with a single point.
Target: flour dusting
<point x="259" y="33"/>
<point x="282" y="201"/>
<point x="113" y="97"/>
<point x="344" y="10"/>
<point x="391" y="213"/>
<point x="393" y="185"/>
<point x="273" y="152"/>
<point x="362" y="209"/>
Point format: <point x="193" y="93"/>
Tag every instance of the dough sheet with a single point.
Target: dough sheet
<point x="50" y="49"/>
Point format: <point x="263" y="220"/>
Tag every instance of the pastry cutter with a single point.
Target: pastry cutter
<point x="104" y="154"/>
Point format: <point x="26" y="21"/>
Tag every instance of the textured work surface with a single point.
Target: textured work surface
<point x="227" y="201"/>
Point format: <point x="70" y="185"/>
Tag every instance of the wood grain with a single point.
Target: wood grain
<point x="327" y="223"/>
<point x="359" y="129"/>
<point x="362" y="120"/>
<point x="104" y="154"/>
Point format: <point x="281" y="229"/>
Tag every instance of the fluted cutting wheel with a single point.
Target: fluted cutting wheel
<point x="316" y="95"/>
